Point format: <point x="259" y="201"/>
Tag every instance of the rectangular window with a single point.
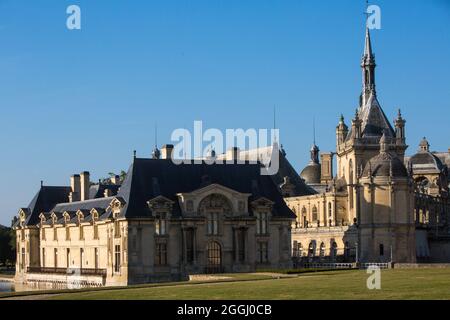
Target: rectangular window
<point x="96" y="258"/>
<point x="81" y="258"/>
<point x="117" y="259"/>
<point x="67" y="234"/>
<point x="43" y="233"/>
<point x="81" y="232"/>
<point x="55" y="257"/>
<point x="55" y="234"/>
<point x="43" y="257"/>
<point x="241" y="245"/>
<point x="381" y="250"/>
<point x="213" y="224"/>
<point x="261" y="223"/>
<point x="96" y="232"/>
<point x="263" y="254"/>
<point x="68" y="258"/>
<point x="161" y="254"/>
<point x="23" y="259"/>
<point x="117" y="229"/>
<point x="161" y="225"/>
<point x="189" y="246"/>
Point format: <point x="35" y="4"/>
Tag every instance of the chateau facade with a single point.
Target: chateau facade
<point x="164" y="222"/>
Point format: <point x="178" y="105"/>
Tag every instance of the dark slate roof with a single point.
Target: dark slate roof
<point x="286" y="170"/>
<point x="149" y="178"/>
<point x="311" y="173"/>
<point x="427" y="161"/>
<point x="98" y="190"/>
<point x="374" y="121"/>
<point x="383" y="164"/>
<point x="44" y="201"/>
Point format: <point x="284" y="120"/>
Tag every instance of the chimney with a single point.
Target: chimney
<point x="107" y="193"/>
<point x="326" y="162"/>
<point x="115" y="180"/>
<point x="166" y="151"/>
<point x="85" y="185"/>
<point x="233" y="154"/>
<point x="75" y="194"/>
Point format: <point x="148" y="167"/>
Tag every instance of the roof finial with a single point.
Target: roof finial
<point x="314" y="130"/>
<point x="134" y="154"/>
<point x="42" y="183"/>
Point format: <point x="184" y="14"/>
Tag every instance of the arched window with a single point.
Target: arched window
<point x="312" y="249"/>
<point x="300" y="250"/>
<point x="333" y="250"/>
<point x="322" y="250"/>
<point x="214" y="261"/>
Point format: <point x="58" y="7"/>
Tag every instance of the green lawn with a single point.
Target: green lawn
<point x="396" y="284"/>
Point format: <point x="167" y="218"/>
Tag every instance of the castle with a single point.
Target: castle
<point x="165" y="222"/>
<point x="381" y="206"/>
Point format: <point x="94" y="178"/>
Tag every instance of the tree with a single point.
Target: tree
<point x="7" y="245"/>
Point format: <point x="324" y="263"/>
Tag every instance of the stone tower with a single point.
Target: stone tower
<point x="355" y="147"/>
<point x="386" y="224"/>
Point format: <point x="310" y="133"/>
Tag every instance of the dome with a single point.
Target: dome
<point x="385" y="165"/>
<point x="311" y="173"/>
<point x="425" y="161"/>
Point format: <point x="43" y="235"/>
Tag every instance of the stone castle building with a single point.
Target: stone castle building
<point x="165" y="222"/>
<point x="381" y="206"/>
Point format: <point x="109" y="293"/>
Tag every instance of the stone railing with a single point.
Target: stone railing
<point x="68" y="271"/>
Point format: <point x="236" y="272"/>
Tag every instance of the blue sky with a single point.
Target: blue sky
<point x="84" y="100"/>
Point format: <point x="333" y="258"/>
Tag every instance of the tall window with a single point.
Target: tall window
<point x="55" y="234"/>
<point x="213" y="223"/>
<point x="161" y="224"/>
<point x="55" y="257"/>
<point x="330" y="210"/>
<point x="96" y="232"/>
<point x="240" y="244"/>
<point x="23" y="258"/>
<point x="161" y="254"/>
<point x="295" y="249"/>
<point x="381" y="250"/>
<point x="117" y="259"/>
<point x="117" y="229"/>
<point x="43" y="233"/>
<point x="314" y="214"/>
<point x="81" y="258"/>
<point x="350" y="179"/>
<point x="322" y="250"/>
<point x="263" y="252"/>
<point x="190" y="245"/>
<point x="96" y="258"/>
<point x="67" y="234"/>
<point x="43" y="257"/>
<point x="261" y="223"/>
<point x="68" y="257"/>
<point x="81" y="232"/>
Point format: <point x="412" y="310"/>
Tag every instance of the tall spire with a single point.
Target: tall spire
<point x="368" y="65"/>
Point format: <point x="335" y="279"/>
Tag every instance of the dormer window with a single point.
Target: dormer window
<point x="161" y="224"/>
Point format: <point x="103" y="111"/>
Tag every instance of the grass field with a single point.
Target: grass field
<point x="396" y="284"/>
